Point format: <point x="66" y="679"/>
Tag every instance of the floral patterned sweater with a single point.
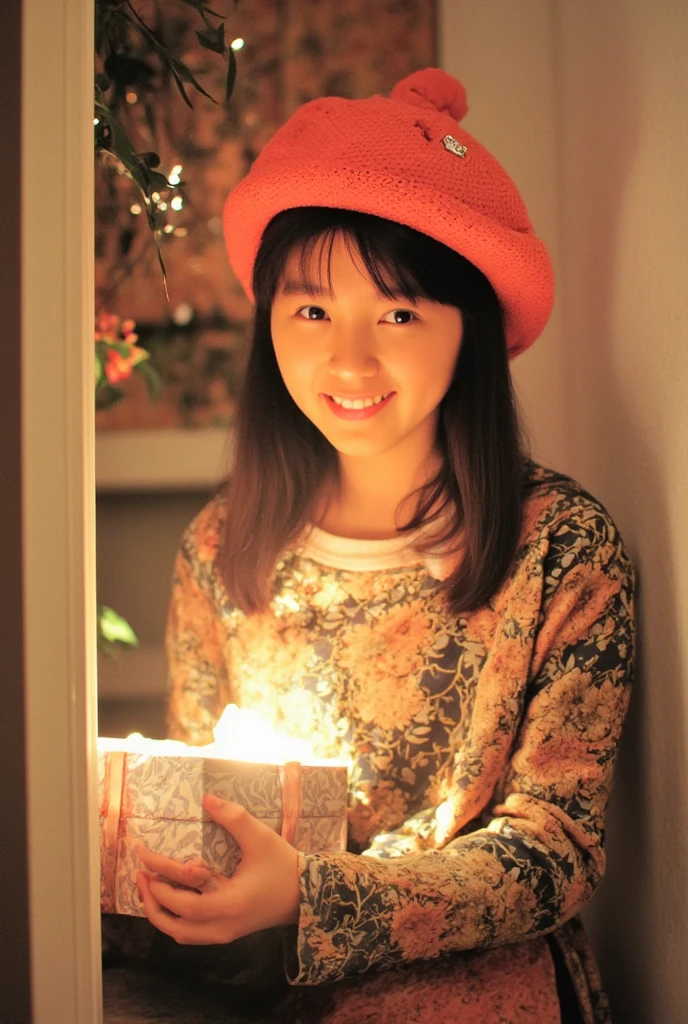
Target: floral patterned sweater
<point x="482" y="746"/>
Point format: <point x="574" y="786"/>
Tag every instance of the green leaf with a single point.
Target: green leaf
<point x="157" y="182"/>
<point x="180" y="85"/>
<point x="112" y="629"/>
<point x="179" y="69"/>
<point x="123" y="150"/>
<point x="151" y="379"/>
<point x="150" y="159"/>
<point x="100" y="370"/>
<point x="213" y="38"/>
<point x="231" y="75"/>
<point x="164" y="54"/>
<point x="162" y="266"/>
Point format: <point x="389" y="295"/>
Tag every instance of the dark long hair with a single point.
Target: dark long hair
<point x="475" y="500"/>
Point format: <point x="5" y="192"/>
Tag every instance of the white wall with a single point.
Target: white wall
<point x="502" y="52"/>
<point x="585" y="102"/>
<point x="138" y="537"/>
<point x="624" y="225"/>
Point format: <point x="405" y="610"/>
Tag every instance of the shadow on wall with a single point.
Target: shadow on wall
<point x="611" y="452"/>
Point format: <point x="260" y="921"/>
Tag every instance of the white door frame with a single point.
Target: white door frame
<point x="58" y="496"/>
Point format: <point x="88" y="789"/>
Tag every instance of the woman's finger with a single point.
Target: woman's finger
<point x="249" y="832"/>
<point x="188" y="933"/>
<point x="192" y="906"/>
<point x="193" y="873"/>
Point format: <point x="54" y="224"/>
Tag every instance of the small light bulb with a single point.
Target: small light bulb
<point x="238" y="44"/>
<point x="135" y="208"/>
<point x="183" y="314"/>
<point x="177" y="203"/>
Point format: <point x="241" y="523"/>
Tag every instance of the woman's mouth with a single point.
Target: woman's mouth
<point x="360" y="407"/>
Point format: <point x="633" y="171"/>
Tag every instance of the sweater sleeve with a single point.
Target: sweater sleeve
<point x="198" y="687"/>
<point x="535" y="855"/>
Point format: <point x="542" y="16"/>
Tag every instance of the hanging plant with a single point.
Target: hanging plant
<point x="131" y="54"/>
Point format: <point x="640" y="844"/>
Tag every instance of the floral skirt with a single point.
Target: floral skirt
<point x="508" y="985"/>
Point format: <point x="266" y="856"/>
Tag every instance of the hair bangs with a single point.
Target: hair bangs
<point x="381" y="254"/>
<point x="380" y="248"/>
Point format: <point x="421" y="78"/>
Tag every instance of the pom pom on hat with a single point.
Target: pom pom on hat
<point x="406" y="159"/>
<point x="435" y="89"/>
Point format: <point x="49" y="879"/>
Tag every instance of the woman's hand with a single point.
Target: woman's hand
<point x="263" y="891"/>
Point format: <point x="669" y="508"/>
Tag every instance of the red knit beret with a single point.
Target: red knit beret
<point x="406" y="159"/>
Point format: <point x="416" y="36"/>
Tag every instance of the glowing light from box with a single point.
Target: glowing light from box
<point x="241" y="734"/>
<point x="135" y="743"/>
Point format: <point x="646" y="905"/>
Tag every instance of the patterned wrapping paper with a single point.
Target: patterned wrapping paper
<point x="156" y="798"/>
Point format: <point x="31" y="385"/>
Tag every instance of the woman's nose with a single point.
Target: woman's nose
<point x="353" y="357"/>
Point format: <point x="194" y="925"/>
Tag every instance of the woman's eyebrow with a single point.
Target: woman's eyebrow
<point x="299" y="286"/>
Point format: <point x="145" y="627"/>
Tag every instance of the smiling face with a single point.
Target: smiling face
<point x="369" y="371"/>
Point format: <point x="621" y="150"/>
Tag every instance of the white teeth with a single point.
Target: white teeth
<point x="359" y="403"/>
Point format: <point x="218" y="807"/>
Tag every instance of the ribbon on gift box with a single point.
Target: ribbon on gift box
<point x="114" y="784"/>
<point x="290" y="781"/>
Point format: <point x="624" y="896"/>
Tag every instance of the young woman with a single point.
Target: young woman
<point x="388" y="576"/>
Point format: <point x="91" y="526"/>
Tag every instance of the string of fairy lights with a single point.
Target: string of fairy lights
<point x="176" y="203"/>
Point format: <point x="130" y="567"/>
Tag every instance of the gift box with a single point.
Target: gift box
<point x="153" y="796"/>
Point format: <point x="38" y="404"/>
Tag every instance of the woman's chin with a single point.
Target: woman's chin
<point x="358" y="447"/>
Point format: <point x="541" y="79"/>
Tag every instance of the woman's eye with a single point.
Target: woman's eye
<point x="399" y="316"/>
<point x="312" y="313"/>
